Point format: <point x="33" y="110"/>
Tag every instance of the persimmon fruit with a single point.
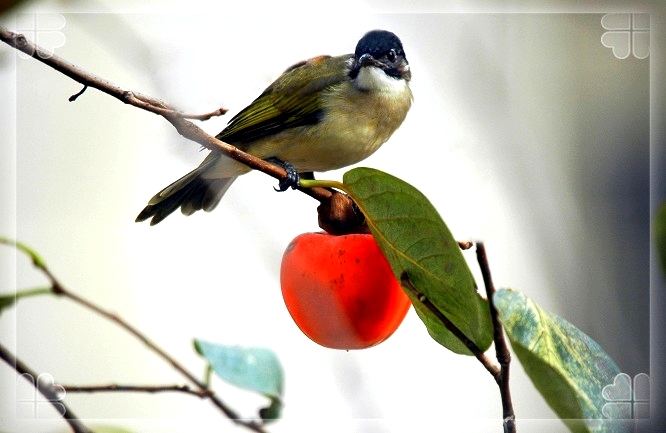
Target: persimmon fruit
<point x="341" y="291"/>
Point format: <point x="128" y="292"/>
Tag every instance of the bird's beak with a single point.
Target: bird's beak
<point x="367" y="60"/>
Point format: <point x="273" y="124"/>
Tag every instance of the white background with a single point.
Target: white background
<point x="526" y="133"/>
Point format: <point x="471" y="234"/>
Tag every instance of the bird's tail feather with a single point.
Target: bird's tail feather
<point x="191" y="193"/>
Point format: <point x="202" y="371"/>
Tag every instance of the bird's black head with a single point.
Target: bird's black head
<point x="382" y="49"/>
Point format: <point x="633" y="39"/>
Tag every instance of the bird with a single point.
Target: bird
<point x="321" y="114"/>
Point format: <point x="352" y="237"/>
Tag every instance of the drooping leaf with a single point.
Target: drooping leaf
<point x="415" y="240"/>
<point x="566" y="366"/>
<point x="255" y="369"/>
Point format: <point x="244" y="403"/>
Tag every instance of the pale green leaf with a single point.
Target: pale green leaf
<point x="255" y="369"/>
<point x="566" y="366"/>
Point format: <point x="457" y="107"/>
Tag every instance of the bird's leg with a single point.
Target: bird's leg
<point x="293" y="177"/>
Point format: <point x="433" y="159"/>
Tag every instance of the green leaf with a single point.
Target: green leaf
<point x="660" y="236"/>
<point x="7" y="301"/>
<point x="566" y="366"/>
<point x="415" y="240"/>
<point x="252" y="368"/>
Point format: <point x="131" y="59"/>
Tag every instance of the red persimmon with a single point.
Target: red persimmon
<point x="340" y="290"/>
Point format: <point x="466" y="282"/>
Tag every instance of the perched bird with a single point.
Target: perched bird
<point x="320" y="114"/>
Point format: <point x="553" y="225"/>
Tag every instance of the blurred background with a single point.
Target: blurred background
<point x="527" y="132"/>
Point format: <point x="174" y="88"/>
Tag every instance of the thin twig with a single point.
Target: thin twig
<point x="151" y="389"/>
<point x="48" y="392"/>
<point x="184" y="127"/>
<point x="77" y="94"/>
<point x="205" y="116"/>
<point x="476" y="351"/>
<point x="501" y="348"/>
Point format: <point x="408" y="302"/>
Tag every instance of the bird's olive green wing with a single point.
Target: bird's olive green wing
<point x="291" y="100"/>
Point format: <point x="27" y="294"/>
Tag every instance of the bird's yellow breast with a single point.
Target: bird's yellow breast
<point x="354" y="125"/>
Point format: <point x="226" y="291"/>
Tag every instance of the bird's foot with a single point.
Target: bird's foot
<point x="292" y="180"/>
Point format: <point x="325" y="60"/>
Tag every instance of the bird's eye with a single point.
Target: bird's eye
<point x="391" y="56"/>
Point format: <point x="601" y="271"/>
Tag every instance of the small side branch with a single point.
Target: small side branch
<point x="77" y="94"/>
<point x="49" y="394"/>
<point x="501" y="347"/>
<point x="205" y="116"/>
<point x="151" y="389"/>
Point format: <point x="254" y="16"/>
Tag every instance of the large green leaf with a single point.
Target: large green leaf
<point x="255" y="369"/>
<point x="415" y="240"/>
<point x="567" y="367"/>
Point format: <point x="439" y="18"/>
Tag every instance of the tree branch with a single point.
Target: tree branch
<point x="501" y="348"/>
<point x="136" y="388"/>
<point x="184" y="127"/>
<point x="58" y="289"/>
<point x="74" y="422"/>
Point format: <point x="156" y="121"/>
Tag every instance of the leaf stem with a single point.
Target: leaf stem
<point x="314" y="183"/>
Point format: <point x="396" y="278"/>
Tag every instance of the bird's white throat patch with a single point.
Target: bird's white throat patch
<point x="373" y="78"/>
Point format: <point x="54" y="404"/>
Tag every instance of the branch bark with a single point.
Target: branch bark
<point x="501" y="348"/>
